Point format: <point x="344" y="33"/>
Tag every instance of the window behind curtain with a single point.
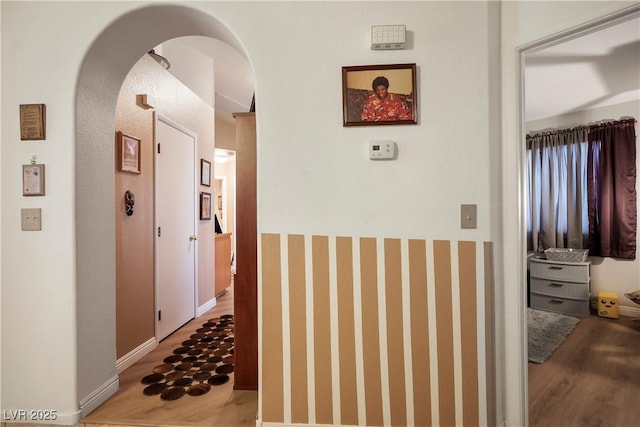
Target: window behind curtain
<point x="581" y="189"/>
<point x="557" y="190"/>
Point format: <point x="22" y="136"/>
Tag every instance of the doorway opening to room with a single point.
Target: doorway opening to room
<point x="223" y="188"/>
<point x="572" y="82"/>
<point x="243" y="402"/>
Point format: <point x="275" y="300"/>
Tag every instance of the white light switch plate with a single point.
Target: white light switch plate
<point x="31" y="219"/>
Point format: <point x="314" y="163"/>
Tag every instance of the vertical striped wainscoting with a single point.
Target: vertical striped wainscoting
<point x="376" y="332"/>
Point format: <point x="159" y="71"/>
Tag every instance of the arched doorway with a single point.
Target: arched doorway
<point x="104" y="68"/>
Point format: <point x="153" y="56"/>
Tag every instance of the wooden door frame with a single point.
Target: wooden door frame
<point x="246" y="277"/>
<point x="516" y="390"/>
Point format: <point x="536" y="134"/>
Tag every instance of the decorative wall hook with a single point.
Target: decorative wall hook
<point x="129" y="201"/>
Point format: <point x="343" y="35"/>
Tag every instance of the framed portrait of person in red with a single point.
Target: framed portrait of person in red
<point x="379" y="95"/>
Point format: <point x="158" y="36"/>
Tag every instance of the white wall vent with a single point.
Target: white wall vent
<point x="388" y="37"/>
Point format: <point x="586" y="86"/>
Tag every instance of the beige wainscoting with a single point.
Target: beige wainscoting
<point x="376" y="331"/>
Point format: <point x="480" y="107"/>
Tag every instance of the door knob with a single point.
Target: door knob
<point x="193" y="237"/>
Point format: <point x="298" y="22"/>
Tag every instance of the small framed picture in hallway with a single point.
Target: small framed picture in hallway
<point x="205" y="172"/>
<point x="128" y="153"/>
<point x="205" y="205"/>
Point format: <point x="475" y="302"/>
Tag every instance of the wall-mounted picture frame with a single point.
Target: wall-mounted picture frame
<point x="205" y="172"/>
<point x="33" y="180"/>
<point x="379" y="95"/>
<point x="205" y="205"/>
<point x="128" y="153"/>
<point x="33" y="119"/>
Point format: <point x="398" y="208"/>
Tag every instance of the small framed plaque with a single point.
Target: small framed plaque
<point x="33" y="180"/>
<point x="32" y="121"/>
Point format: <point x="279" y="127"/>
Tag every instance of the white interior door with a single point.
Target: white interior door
<point x="175" y="182"/>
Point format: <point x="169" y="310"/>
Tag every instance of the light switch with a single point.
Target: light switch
<point x="468" y="216"/>
<point x="31" y="219"/>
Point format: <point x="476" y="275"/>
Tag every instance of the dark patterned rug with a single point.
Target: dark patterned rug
<point x="204" y="360"/>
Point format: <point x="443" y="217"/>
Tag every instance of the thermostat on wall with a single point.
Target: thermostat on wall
<point x="382" y="150"/>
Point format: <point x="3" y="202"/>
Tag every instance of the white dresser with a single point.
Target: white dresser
<point x="562" y="287"/>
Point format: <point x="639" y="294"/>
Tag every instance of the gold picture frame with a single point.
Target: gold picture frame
<point x="128" y="153"/>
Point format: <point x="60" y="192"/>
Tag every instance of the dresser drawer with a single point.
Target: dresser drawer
<point x="559" y="288"/>
<point x="558" y="271"/>
<point x="560" y="305"/>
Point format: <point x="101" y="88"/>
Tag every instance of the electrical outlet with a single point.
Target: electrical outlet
<point x="31" y="219"/>
<point x="468" y="216"/>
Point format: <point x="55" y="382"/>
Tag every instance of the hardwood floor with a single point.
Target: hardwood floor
<point x="591" y="380"/>
<point x="221" y="406"/>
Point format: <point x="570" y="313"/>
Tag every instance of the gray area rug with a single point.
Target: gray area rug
<point x="546" y="332"/>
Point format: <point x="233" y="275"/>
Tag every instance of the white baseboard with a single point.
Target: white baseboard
<point x="267" y="424"/>
<point x="259" y="424"/>
<point x="136" y="354"/>
<point x="98" y="397"/>
<point x="206" y="307"/>
<point x="629" y="311"/>
<point x="40" y="424"/>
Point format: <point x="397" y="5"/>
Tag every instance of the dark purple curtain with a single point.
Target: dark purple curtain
<point x="611" y="188"/>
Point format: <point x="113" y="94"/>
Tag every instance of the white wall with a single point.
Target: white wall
<point x="524" y="25"/>
<point x="309" y="166"/>
<point x="1" y="171"/>
<point x="607" y="274"/>
<point x="38" y="274"/>
<point x="318" y="172"/>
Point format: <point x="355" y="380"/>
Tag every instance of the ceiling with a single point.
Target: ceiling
<point x="597" y="69"/>
<point x="232" y="74"/>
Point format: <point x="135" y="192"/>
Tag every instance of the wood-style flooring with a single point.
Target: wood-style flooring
<point x="591" y="380"/>
<point x="222" y="406"/>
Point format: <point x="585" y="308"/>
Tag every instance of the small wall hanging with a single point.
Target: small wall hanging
<point x="205" y="172"/>
<point x="32" y="121"/>
<point x="33" y="179"/>
<point x="205" y="205"/>
<point x="129" y="201"/>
